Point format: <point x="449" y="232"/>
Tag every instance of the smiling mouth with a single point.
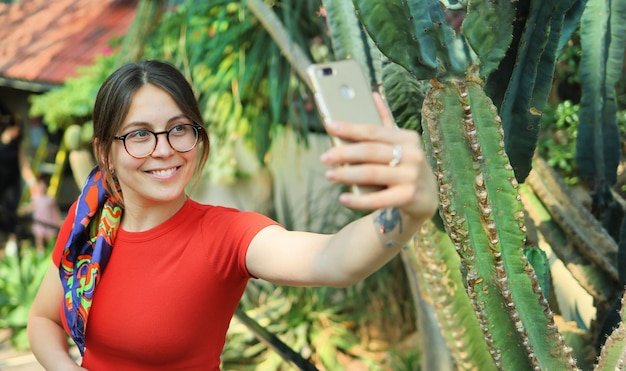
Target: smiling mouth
<point x="164" y="173"/>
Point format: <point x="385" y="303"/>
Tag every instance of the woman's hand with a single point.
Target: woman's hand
<point x="384" y="156"/>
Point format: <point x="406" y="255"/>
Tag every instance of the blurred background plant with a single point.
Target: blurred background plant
<point x="557" y="142"/>
<point x="20" y="276"/>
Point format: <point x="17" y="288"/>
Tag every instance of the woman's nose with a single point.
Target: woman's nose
<point x="163" y="147"/>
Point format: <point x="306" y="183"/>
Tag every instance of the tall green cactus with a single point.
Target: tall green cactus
<point x="483" y="215"/>
<point x="603" y="38"/>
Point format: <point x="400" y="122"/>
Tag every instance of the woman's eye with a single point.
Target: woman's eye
<point x="178" y="129"/>
<point x="139" y="135"/>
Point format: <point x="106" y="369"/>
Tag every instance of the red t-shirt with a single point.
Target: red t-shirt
<point x="167" y="295"/>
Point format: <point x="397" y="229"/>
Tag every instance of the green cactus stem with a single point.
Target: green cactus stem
<point x="349" y="41"/>
<point x="613" y="354"/>
<point x="531" y="81"/>
<point x="598" y="150"/>
<point x="413" y="34"/>
<point x="488" y="28"/>
<point x="465" y="143"/>
<point x="344" y="31"/>
<point x="434" y="259"/>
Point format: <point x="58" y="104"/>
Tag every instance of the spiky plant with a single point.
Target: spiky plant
<point x="504" y="53"/>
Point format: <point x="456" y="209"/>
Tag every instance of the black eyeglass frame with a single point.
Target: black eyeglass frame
<point x="196" y="127"/>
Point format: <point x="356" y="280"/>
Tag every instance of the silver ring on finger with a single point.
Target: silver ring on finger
<point x="396" y="155"/>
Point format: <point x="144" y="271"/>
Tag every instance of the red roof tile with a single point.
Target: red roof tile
<point x="45" y="41"/>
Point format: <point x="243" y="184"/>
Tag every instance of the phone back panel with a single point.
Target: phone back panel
<point x="342" y="93"/>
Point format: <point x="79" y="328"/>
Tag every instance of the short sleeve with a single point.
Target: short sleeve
<point x="254" y="224"/>
<point x="227" y="234"/>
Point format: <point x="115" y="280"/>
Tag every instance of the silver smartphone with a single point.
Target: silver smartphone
<point x="342" y="93"/>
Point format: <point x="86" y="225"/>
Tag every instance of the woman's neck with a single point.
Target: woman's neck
<point x="142" y="217"/>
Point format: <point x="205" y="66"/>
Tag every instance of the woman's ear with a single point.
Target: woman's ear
<point x="101" y="157"/>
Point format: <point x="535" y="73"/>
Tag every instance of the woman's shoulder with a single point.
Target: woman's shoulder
<point x="194" y="206"/>
<point x="225" y="214"/>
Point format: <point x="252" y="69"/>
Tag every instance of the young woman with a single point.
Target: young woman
<point x="170" y="271"/>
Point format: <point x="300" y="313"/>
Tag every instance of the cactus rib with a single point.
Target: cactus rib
<point x="444" y="132"/>
<point x="436" y="262"/>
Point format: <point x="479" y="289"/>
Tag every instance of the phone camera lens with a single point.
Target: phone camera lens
<point x="327" y="71"/>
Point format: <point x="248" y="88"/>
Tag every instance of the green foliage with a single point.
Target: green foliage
<point x="72" y="103"/>
<point x="405" y="361"/>
<point x="568" y="65"/>
<point x="405" y="96"/>
<point x="72" y="137"/>
<point x="557" y="143"/>
<point x="325" y="324"/>
<point x="20" y="277"/>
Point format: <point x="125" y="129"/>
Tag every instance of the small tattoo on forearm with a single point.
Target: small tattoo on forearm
<point x="386" y="221"/>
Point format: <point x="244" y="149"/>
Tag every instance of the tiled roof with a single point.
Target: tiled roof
<point x="45" y="41"/>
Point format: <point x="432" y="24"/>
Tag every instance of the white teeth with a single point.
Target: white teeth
<point x="163" y="173"/>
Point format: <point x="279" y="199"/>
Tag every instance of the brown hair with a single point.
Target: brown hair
<point x="115" y="97"/>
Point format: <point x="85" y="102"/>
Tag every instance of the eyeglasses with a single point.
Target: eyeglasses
<point x="141" y="143"/>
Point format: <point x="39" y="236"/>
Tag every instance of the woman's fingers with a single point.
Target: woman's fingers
<point x="382" y="156"/>
<point x="384" y="111"/>
<point x="397" y="148"/>
<point x="364" y="132"/>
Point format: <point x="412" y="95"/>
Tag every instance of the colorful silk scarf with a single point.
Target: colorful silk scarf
<point x="87" y="252"/>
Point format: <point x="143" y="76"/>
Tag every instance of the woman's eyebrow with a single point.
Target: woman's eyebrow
<point x="178" y="117"/>
<point x="134" y="124"/>
<point x="142" y="124"/>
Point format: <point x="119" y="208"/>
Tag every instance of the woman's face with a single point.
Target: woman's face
<point x="162" y="176"/>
